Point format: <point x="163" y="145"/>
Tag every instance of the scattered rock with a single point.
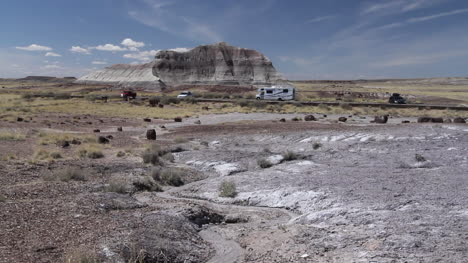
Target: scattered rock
<point x="162" y="127"/>
<point x="96" y="130"/>
<point x="119" y="129"/>
<point x="437" y="120"/>
<point x="75" y="142"/>
<point x="405" y="121"/>
<point x="282" y="120"/>
<point x="103" y="140"/>
<point x="309" y="118"/>
<point x="380" y="119"/>
<point x="447" y="121"/>
<point x="151" y="134"/>
<point x="459" y="120"/>
<point x="342" y="119"/>
<point x="161" y="105"/>
<point x="324" y="115"/>
<point x="19" y="119"/>
<point x="178" y="119"/>
<point x="147" y="119"/>
<point x="63" y="144"/>
<point x="205" y="108"/>
<point x="110" y="137"/>
<point x="197" y="122"/>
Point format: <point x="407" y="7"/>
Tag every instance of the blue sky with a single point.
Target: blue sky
<point x="305" y="39"/>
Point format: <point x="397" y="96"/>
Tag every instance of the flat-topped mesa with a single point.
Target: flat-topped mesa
<point x="215" y="64"/>
<point x="125" y="76"/>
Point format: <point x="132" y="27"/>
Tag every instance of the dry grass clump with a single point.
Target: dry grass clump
<point x="82" y="256"/>
<point x="147" y="183"/>
<point x="227" y="189"/>
<point x="117" y="186"/>
<point x="41" y="155"/>
<point x="2" y="198"/>
<point x="11" y="136"/>
<point x="56" y="138"/>
<point x="120" y="154"/>
<point x="170" y="176"/>
<point x="90" y="151"/>
<point x="9" y="157"/>
<point x="153" y="153"/>
<point x="264" y="163"/>
<point x="290" y="156"/>
<point x="66" y="175"/>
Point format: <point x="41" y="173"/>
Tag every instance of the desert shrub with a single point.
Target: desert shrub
<point x="12" y="136"/>
<point x="172" y="176"/>
<point x="168" y="157"/>
<point x="249" y="96"/>
<point x="190" y="100"/>
<point x="61" y="96"/>
<point x="82" y="256"/>
<point x="419" y="158"/>
<point x="290" y="156"/>
<point x="154" y="101"/>
<point x="258" y="104"/>
<point x="227" y="189"/>
<point x="41" y="154"/>
<point x="147" y="183"/>
<point x="180" y="140"/>
<point x="66" y="175"/>
<point x="346" y="106"/>
<point x="152" y="154"/>
<point x="166" y="100"/>
<point x="264" y="163"/>
<point x="243" y="103"/>
<point x="117" y="186"/>
<point x="120" y="154"/>
<point x="91" y="152"/>
<point x="56" y="155"/>
<point x="316" y="145"/>
<point x="324" y="107"/>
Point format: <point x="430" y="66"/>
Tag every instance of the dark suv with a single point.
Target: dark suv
<point x="128" y="94"/>
<point x="396" y="98"/>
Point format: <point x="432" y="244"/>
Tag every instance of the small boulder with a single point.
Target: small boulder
<point x="119" y="129"/>
<point x="102" y="140"/>
<point x="63" y="144"/>
<point x="405" y="121"/>
<point x="197" y="122"/>
<point x="309" y="118"/>
<point x="380" y="119"/>
<point x="147" y="119"/>
<point x="342" y="119"/>
<point x="96" y="130"/>
<point x="19" y="119"/>
<point x="282" y="120"/>
<point x="161" y="105"/>
<point x="459" y="120"/>
<point x="110" y="137"/>
<point x="447" y="121"/>
<point x="162" y="127"/>
<point x="151" y="134"/>
<point x="75" y="142"/>
<point x="324" y="115"/>
<point x="178" y="119"/>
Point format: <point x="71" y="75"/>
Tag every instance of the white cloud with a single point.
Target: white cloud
<point x="52" y="54"/>
<point x="110" y="47"/>
<point x="35" y="47"/>
<point x="180" y="49"/>
<point x="99" y="63"/>
<point x="319" y="19"/>
<point x="425" y="18"/>
<point x="78" y="49"/>
<point x="398" y="6"/>
<point x="159" y="14"/>
<point x="142" y="56"/>
<point x="131" y="44"/>
<point x="52" y="67"/>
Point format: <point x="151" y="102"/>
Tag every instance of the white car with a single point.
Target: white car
<point x="185" y="94"/>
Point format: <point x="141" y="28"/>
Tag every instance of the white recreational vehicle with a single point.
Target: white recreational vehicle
<point x="276" y="93"/>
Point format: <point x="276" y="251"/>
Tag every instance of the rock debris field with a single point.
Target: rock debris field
<point x="329" y="192"/>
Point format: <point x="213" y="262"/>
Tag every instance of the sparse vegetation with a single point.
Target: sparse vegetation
<point x="152" y="153"/>
<point x="419" y="158"/>
<point x="11" y="136"/>
<point x="82" y="256"/>
<point x="290" y="156"/>
<point x="120" y="154"/>
<point x="66" y="175"/>
<point x="147" y="183"/>
<point x="56" y="155"/>
<point x="90" y="151"/>
<point x="117" y="186"/>
<point x="170" y="176"/>
<point x="227" y="189"/>
<point x="264" y="163"/>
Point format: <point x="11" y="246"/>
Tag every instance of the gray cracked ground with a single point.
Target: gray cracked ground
<point x="361" y="197"/>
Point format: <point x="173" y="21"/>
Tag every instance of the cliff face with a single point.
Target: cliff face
<point x="124" y="75"/>
<point x="215" y="64"/>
